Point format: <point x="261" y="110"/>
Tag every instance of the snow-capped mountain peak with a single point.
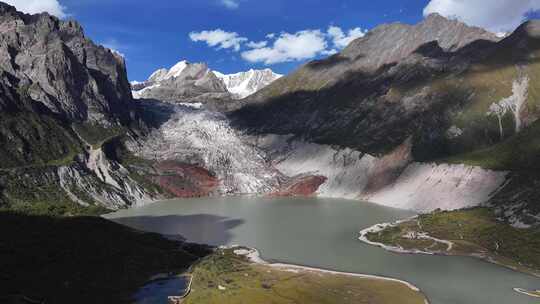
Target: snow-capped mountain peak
<point x="197" y="78"/>
<point x="164" y="74"/>
<point x="246" y="83"/>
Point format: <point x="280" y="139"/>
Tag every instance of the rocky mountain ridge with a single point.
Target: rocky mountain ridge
<point x="195" y="82"/>
<point x="184" y="82"/>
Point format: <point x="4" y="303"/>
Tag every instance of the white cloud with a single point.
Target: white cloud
<point x="498" y="16"/>
<point x="283" y="47"/>
<point x="219" y="38"/>
<point x="329" y="52"/>
<point x="340" y="39"/>
<point x="230" y="4"/>
<point x="290" y="47"/>
<point x="256" y="45"/>
<point x="52" y="7"/>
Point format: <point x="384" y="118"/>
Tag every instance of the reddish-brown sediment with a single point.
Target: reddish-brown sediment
<point x="184" y="180"/>
<point x="302" y="186"/>
<point x="388" y="168"/>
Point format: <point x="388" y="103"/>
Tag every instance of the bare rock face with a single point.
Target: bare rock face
<point x="52" y="63"/>
<point x="391" y="43"/>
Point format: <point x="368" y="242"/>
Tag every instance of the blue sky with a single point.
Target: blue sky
<point x="156" y="34"/>
<point x="159" y="33"/>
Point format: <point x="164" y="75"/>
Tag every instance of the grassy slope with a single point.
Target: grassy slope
<point x="519" y="152"/>
<point x="28" y="139"/>
<point x="82" y="259"/>
<point x="473" y="231"/>
<point x="252" y="283"/>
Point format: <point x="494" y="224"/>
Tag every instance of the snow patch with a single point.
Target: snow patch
<point x="513" y="104"/>
<point x="139" y="94"/>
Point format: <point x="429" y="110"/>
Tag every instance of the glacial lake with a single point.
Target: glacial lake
<point x="323" y="233"/>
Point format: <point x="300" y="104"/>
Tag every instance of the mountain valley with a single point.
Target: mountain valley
<point x="439" y="118"/>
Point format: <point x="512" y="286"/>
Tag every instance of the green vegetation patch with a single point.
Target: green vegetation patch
<point x="96" y="135"/>
<point x="474" y="232"/>
<point x="226" y="278"/>
<point x="519" y="152"/>
<point x="37" y="191"/>
<point x="28" y="139"/>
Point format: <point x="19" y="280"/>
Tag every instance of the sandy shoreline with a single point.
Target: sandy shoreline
<point x="526" y="292"/>
<point x="253" y="255"/>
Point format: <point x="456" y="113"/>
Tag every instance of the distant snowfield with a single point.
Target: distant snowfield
<point x="255" y="165"/>
<point x="244" y="84"/>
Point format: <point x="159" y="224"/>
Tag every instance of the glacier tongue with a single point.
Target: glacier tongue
<point x="205" y="138"/>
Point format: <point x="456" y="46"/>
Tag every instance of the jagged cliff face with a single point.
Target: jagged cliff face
<point x="51" y="62"/>
<point x="52" y="77"/>
<point x="62" y="97"/>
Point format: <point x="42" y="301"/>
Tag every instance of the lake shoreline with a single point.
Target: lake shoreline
<point x="254" y="256"/>
<point x="310" y="234"/>
<point x="234" y="273"/>
<point x="399" y="250"/>
<point x="534" y="294"/>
